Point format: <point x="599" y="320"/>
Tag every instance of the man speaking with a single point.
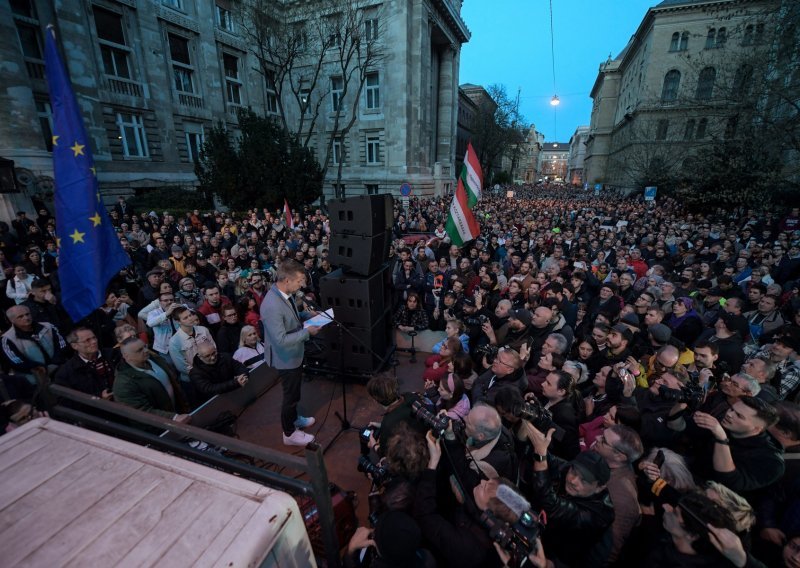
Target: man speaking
<point x="284" y="339"/>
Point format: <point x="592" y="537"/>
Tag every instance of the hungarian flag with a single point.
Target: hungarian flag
<point x="288" y="214"/>
<point x="461" y="223"/>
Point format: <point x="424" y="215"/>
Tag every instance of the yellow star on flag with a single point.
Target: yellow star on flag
<point x="55" y="140"/>
<point x="96" y="219"/>
<point x="77" y="237"/>
<point x="78" y="149"/>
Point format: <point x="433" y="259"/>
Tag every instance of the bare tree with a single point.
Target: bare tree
<point x="313" y="55"/>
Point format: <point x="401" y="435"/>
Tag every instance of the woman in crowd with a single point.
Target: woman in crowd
<point x="251" y="350"/>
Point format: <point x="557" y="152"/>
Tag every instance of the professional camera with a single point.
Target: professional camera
<point x="378" y="473"/>
<point x="542" y="419"/>
<point x="692" y="394"/>
<point x="489" y="351"/>
<point x="438" y="423"/>
<point x="518" y="540"/>
<point x="363" y="438"/>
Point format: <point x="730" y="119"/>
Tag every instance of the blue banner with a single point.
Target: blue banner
<point x="90" y="252"/>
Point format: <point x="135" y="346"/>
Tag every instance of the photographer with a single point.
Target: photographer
<point x="563" y="402"/>
<point x="744" y="457"/>
<point x="460" y="539"/>
<point x="580" y="514"/>
<point x="397" y="409"/>
<point x="662" y="420"/>
<point x="396" y="539"/>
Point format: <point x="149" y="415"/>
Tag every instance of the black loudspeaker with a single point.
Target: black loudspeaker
<point x="366" y="215"/>
<point x="359" y="254"/>
<point x="356" y="301"/>
<point x="363" y="352"/>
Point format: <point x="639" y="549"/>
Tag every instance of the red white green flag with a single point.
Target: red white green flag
<point x="461" y="223"/>
<point x="288" y="214"/>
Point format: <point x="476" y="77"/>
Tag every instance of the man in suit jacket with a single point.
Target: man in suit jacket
<point x="145" y="381"/>
<point x="284" y="346"/>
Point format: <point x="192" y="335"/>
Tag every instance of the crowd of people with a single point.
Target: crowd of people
<point x="620" y="366"/>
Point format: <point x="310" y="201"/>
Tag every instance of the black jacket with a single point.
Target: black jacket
<point x="81" y="376"/>
<point x="482" y="391"/>
<point x="228" y="337"/>
<point x="578" y="528"/>
<point x="209" y="380"/>
<point x="456" y="541"/>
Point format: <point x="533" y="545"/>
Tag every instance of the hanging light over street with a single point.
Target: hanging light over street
<point x="555" y="101"/>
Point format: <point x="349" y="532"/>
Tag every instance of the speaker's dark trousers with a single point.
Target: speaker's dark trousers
<point x="291" y="382"/>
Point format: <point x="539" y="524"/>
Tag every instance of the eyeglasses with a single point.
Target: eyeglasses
<point x="601" y="439"/>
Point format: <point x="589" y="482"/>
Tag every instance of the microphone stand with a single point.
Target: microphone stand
<point x="344" y="423"/>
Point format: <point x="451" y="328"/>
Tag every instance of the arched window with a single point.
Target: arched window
<point x="711" y="39"/>
<point x="705" y="83"/>
<point x="743" y="80"/>
<point x="748" y="35"/>
<point x="689" y="132"/>
<point x="676" y="38"/>
<point x="731" y="127"/>
<point x="672" y="80"/>
<point x="701" y="129"/>
<point x="722" y="37"/>
<point x="684" y="41"/>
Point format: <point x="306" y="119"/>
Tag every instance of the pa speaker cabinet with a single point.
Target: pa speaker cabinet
<point x="362" y="350"/>
<point x="359" y="254"/>
<point x="362" y="215"/>
<point x="356" y="300"/>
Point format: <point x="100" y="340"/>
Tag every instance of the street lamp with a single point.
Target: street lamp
<point x="555" y="101"/>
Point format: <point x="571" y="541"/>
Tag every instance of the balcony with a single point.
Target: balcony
<point x="120" y="86"/>
<point x="191" y="101"/>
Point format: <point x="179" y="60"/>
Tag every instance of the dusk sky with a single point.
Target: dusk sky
<point x="510" y="45"/>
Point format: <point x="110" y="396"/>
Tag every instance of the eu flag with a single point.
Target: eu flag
<point x="90" y="252"/>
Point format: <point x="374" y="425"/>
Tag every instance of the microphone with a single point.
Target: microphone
<point x="306" y="300"/>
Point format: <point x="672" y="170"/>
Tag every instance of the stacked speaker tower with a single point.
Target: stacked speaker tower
<point x="359" y="291"/>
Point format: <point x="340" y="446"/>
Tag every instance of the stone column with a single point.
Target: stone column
<point x="445" y="111"/>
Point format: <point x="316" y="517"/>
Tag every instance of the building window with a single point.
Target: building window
<point x="337" y="87"/>
<point x="731" y="126"/>
<point x="337" y="157"/>
<point x="132" y="135"/>
<point x="225" y="19"/>
<point x="705" y="83"/>
<point x="689" y="132"/>
<point x="662" y="127"/>
<point x="233" y="86"/>
<point x="177" y="4"/>
<point x="111" y="38"/>
<point x="24" y="8"/>
<point x="271" y="93"/>
<point x="182" y="69"/>
<point x="722" y="37"/>
<point x="305" y="97"/>
<point x="332" y="24"/>
<point x="759" y="38"/>
<point x="672" y="80"/>
<point x="711" y="38"/>
<point x="373" y="91"/>
<point x="45" y="113"/>
<point x="373" y="150"/>
<point x="675" y="43"/>
<point x="684" y="41"/>
<point x="371" y="29"/>
<point x="30" y="40"/>
<point x="743" y="81"/>
<point x="747" y="39"/>
<point x="194" y="140"/>
<point x="702" y="125"/>
<point x="372" y="188"/>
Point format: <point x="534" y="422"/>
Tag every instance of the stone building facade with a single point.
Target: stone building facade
<point x="577" y="156"/>
<point x="676" y="87"/>
<point x="153" y="76"/>
<point x="553" y="159"/>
